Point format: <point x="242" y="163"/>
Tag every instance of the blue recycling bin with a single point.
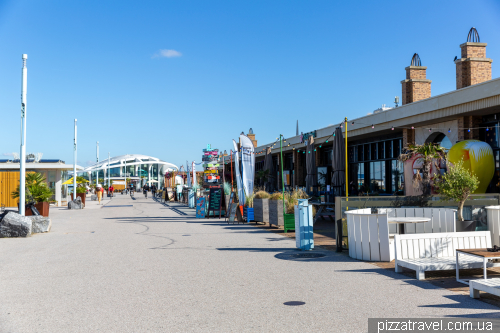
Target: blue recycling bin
<point x="191" y="201"/>
<point x="304" y="236"/>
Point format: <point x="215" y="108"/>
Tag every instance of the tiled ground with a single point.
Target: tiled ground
<point x="324" y="237"/>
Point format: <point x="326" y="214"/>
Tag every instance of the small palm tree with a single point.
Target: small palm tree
<point x="425" y="153"/>
<point x="36" y="188"/>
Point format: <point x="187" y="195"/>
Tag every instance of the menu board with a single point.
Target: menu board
<point x="215" y="200"/>
<point x="200" y="207"/>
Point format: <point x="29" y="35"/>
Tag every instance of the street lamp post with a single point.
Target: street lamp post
<point x="22" y="160"/>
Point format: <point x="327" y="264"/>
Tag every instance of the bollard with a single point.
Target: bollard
<point x="191" y="198"/>
<point x="304" y="237"/>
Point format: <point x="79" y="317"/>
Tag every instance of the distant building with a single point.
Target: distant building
<point x="141" y="169"/>
<point x="55" y="171"/>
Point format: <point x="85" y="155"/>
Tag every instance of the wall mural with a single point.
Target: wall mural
<point x="478" y="159"/>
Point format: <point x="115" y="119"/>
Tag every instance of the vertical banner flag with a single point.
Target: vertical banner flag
<point x="188" y="175"/>
<point x="241" y="193"/>
<point x="247" y="163"/>
<point x="194" y="174"/>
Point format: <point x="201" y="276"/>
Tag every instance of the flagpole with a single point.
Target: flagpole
<point x="282" y="178"/>
<point x="22" y="159"/>
<point x="74" y="165"/>
<point x="346" y="165"/>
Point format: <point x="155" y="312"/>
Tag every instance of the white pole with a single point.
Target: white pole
<point x="22" y="160"/>
<point x="109" y="174"/>
<point x="74" y="166"/>
<point x="97" y="170"/>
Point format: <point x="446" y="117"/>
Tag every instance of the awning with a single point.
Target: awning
<point x="70" y="181"/>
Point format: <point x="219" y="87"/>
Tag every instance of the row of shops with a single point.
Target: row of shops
<point x="375" y="141"/>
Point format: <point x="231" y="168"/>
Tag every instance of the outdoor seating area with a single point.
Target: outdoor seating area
<point x="369" y="237"/>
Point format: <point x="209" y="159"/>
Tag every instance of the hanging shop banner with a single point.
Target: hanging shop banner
<point x="247" y="163"/>
<point x="200" y="208"/>
<point x="241" y="192"/>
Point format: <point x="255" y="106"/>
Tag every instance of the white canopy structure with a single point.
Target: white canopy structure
<point x="142" y="168"/>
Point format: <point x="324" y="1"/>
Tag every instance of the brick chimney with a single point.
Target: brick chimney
<point x="251" y="136"/>
<point x="473" y="67"/>
<point x="416" y="86"/>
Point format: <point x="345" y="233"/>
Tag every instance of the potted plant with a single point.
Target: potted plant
<point x="276" y="210"/>
<point x="38" y="191"/>
<point x="292" y="200"/>
<point x="261" y="206"/>
<point x="457" y="184"/>
<point x="248" y="212"/>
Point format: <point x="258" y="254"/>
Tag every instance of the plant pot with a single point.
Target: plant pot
<point x="249" y="214"/>
<point x="261" y="210"/>
<point x="289" y="222"/>
<point x="81" y="195"/>
<point x="462" y="226"/>
<point x="276" y="213"/>
<point x="41" y="207"/>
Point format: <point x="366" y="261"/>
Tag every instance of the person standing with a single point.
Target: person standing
<point x="99" y="191"/>
<point x="153" y="190"/>
<point x="179" y="192"/>
<point x="111" y="190"/>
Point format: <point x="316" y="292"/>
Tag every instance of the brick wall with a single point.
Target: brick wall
<point x="416" y="72"/>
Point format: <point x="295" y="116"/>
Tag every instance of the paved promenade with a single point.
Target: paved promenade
<point x="140" y="266"/>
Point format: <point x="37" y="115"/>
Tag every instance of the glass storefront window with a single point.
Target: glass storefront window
<point x="377" y="176"/>
<point x="361" y="175"/>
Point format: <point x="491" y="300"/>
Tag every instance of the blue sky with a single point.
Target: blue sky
<point x="164" y="78"/>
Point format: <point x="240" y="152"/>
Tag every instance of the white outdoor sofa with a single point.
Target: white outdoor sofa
<point x="491" y="286"/>
<point x="368" y="234"/>
<point x="436" y="252"/>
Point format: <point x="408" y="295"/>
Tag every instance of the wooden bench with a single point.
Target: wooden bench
<point x="437" y="251"/>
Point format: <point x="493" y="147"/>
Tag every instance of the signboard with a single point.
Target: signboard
<point x="119" y="182"/>
<point x="170" y="194"/>
<point x="200" y="207"/>
<point x="215" y="200"/>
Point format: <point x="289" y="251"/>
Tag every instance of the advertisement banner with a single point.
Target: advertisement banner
<point x="241" y="192"/>
<point x="247" y="163"/>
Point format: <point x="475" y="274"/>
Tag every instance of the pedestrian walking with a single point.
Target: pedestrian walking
<point x="111" y="190"/>
<point x="145" y="190"/>
<point x="99" y="191"/>
<point x="153" y="190"/>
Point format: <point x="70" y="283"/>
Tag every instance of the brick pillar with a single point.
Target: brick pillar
<point x="408" y="137"/>
<point x="473" y="67"/>
<point x="416" y="86"/>
<point x="461" y="132"/>
<point x="470" y="122"/>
